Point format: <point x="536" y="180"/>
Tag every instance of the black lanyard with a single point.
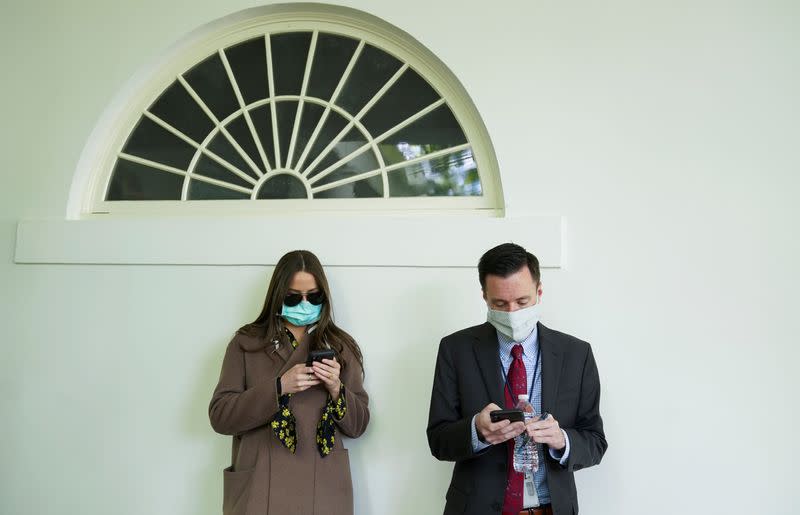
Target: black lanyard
<point x="533" y="380"/>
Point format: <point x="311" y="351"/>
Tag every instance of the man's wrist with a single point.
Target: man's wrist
<point x="478" y="443"/>
<point x="478" y="433"/>
<point x="561" y="455"/>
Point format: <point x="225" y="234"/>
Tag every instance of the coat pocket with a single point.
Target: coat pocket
<point x="333" y="488"/>
<point x="235" y="490"/>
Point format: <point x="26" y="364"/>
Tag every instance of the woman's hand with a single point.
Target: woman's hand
<point x="327" y="371"/>
<point x="298" y="378"/>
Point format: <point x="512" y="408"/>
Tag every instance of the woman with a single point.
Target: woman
<point x="285" y="417"/>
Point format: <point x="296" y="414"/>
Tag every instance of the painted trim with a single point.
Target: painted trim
<point x="442" y="241"/>
<point x="106" y="141"/>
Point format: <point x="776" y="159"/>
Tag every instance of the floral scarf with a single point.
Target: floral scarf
<point x="284" y="424"/>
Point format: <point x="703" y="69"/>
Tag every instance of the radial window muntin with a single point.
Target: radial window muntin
<point x="270" y="21"/>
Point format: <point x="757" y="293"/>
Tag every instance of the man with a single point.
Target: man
<point x="485" y="368"/>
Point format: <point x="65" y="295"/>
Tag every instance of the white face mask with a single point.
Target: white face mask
<point x="518" y="324"/>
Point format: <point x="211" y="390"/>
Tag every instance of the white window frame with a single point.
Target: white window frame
<point x="101" y="152"/>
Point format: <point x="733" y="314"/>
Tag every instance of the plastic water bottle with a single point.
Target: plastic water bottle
<point x="526" y="455"/>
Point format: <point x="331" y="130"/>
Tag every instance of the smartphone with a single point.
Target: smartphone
<point x="513" y="415"/>
<point x="319" y="355"/>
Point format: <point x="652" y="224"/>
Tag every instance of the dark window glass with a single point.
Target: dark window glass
<point x="242" y="135"/>
<point x="210" y="80"/>
<point x="373" y="68"/>
<point x="286" y="111"/>
<point x="437" y="130"/>
<point x="132" y="181"/>
<point x="199" y="190"/>
<point x="282" y="186"/>
<point x="210" y="168"/>
<point x="176" y="107"/>
<point x="451" y="172"/>
<point x="289" y="55"/>
<point x="308" y="122"/>
<point x="248" y="61"/>
<point x="262" y="121"/>
<point x="409" y="95"/>
<point x="331" y="58"/>
<point x="223" y="148"/>
<point x="151" y="141"/>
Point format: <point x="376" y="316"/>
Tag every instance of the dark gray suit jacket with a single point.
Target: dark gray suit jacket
<point x="468" y="377"/>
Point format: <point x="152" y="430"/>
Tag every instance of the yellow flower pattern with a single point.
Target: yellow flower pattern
<point x="284" y="424"/>
<point x="326" y="428"/>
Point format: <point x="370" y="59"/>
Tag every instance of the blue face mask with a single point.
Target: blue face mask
<point x="302" y="314"/>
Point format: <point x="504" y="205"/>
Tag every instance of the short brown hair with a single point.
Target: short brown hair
<point x="506" y="259"/>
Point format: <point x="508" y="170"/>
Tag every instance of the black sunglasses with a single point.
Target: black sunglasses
<point x="314" y="297"/>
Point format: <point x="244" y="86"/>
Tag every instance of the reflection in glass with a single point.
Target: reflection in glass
<point x="435" y="131"/>
<point x="330" y="129"/>
<point x="359" y="164"/>
<point x="367" y="188"/>
<point x="449" y="175"/>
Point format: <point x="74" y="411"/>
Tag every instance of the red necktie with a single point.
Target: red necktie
<point x="518" y="385"/>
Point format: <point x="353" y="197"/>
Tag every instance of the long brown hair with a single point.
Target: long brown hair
<point x="269" y="324"/>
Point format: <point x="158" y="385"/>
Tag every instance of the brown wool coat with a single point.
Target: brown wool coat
<point x="265" y="478"/>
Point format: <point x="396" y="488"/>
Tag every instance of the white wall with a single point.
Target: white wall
<point x="666" y="133"/>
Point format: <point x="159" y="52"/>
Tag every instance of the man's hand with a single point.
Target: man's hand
<point x="547" y="432"/>
<point x="496" y="432"/>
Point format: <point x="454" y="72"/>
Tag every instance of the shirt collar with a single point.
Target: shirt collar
<point x="529" y="344"/>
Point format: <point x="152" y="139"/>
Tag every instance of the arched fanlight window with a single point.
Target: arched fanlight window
<point x="298" y="103"/>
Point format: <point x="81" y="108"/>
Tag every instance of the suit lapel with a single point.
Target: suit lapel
<point x="552" y="361"/>
<point x="488" y="358"/>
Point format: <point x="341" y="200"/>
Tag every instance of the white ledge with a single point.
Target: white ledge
<point x="424" y="241"/>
